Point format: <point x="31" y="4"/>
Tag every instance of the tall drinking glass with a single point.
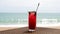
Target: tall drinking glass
<point x="32" y="20"/>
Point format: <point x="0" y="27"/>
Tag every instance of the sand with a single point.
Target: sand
<point x="9" y="28"/>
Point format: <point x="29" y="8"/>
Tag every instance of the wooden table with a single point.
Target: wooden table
<point x="39" y="30"/>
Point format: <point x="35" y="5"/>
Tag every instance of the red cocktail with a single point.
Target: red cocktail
<point x="32" y="20"/>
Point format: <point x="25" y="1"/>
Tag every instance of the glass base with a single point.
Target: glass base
<point x="31" y="30"/>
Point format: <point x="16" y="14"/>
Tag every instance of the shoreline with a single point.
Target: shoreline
<point x="9" y="27"/>
<point x="25" y="25"/>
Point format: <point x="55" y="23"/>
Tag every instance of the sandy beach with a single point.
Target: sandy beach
<point x="9" y="27"/>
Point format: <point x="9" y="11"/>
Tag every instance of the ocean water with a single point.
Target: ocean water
<point x="22" y="18"/>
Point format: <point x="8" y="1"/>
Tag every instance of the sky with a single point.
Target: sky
<point x="22" y="6"/>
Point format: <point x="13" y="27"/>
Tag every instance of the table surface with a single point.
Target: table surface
<point x="24" y="30"/>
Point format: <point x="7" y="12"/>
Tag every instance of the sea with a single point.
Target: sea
<point x="22" y="18"/>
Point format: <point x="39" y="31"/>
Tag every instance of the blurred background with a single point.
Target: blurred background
<point x="15" y="12"/>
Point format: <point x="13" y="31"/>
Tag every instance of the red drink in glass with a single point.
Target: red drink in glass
<point x="32" y="20"/>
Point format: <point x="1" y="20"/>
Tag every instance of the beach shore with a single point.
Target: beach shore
<point x="8" y="27"/>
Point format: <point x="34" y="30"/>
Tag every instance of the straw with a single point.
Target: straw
<point x="37" y="7"/>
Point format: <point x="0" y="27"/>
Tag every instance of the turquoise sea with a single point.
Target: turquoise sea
<point x="22" y="18"/>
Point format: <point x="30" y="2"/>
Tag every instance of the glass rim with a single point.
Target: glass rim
<point x="32" y="11"/>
